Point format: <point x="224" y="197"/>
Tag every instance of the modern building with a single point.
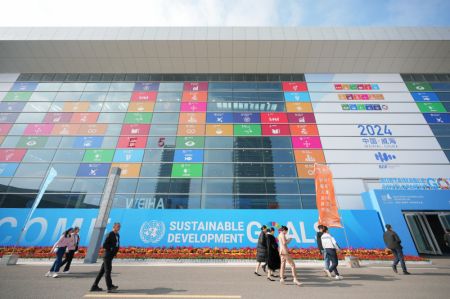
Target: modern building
<point x="224" y="118"/>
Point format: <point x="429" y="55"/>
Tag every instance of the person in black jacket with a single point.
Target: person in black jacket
<point x="261" y="250"/>
<point x="111" y="247"/>
<point x="322" y="250"/>
<point x="273" y="256"/>
<point x="393" y="242"/>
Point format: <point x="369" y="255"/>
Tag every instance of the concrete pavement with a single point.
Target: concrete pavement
<point x="225" y="281"/>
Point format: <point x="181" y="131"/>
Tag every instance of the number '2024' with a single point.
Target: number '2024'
<point x="374" y="130"/>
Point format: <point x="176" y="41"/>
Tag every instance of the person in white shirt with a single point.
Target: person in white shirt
<point x="331" y="247"/>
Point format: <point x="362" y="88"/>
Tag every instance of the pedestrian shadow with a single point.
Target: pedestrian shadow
<point x="83" y="274"/>
<point x="430" y="274"/>
<point x="154" y="291"/>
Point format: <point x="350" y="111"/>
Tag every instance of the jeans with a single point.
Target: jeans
<point x="398" y="257"/>
<point x="59" y="255"/>
<point x="68" y="260"/>
<point x="332" y="255"/>
<point x="326" y="259"/>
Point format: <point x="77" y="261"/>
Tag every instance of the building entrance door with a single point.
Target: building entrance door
<point x="427" y="230"/>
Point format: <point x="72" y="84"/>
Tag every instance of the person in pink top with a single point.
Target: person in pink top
<point x="285" y="256"/>
<point x="66" y="240"/>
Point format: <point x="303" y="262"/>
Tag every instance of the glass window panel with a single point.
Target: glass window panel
<point x="276" y="155"/>
<point x="248" y="170"/>
<point x="218" y="170"/>
<point x="247" y="142"/>
<point x="42" y="96"/>
<point x="68" y="96"/>
<point x="271" y="96"/>
<point x="68" y="155"/>
<point x="73" y="86"/>
<point x="163" y="130"/>
<point x="113" y="130"/>
<point x="88" y="185"/>
<point x="95" y="107"/>
<point x="212" y="86"/>
<point x="111" y="118"/>
<point x="93" y="96"/>
<point x="307" y="186"/>
<point x="220" y="107"/>
<point x="249" y="186"/>
<point x="118" y="96"/>
<point x="57" y="201"/>
<point x="185" y="186"/>
<point x="218" y="156"/>
<point x="309" y="202"/>
<point x="219" y="142"/>
<point x="97" y="86"/>
<point x="32" y="170"/>
<point x="156" y="170"/>
<point x="153" y="155"/>
<point x="30" y="118"/>
<point x="17" y="129"/>
<point x="169" y="97"/>
<point x="165" y="118"/>
<point x="66" y="169"/>
<point x="115" y="107"/>
<point x="243" y="201"/>
<point x="167" y="107"/>
<point x="53" y="142"/>
<point x="183" y="201"/>
<point x="444" y="142"/>
<point x="44" y="155"/>
<point x="21" y="185"/>
<point x="90" y="201"/>
<point x="67" y="142"/>
<point x="37" y="107"/>
<point x="247" y="86"/>
<point x="218" y="202"/>
<point x="48" y="86"/>
<point x="127" y="185"/>
<point x="4" y="182"/>
<point x="60" y="185"/>
<point x="220" y="96"/>
<point x="217" y="186"/>
<point x="269" y="86"/>
<point x="118" y="86"/>
<point x="282" y="186"/>
<point x="160" y="185"/>
<point x="281" y="201"/>
<point x="276" y="142"/>
<point x="280" y="170"/>
<point x="175" y="86"/>
<point x="161" y="142"/>
<point x="110" y="142"/>
<point x="57" y="107"/>
<point x="10" y="141"/>
<point x="246" y="155"/>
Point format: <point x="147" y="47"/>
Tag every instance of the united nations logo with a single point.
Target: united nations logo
<point x="152" y="231"/>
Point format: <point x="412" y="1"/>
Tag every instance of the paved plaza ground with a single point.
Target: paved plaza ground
<point x="143" y="280"/>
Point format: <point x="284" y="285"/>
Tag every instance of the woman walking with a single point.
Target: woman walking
<point x="285" y="256"/>
<point x="273" y="256"/>
<point x="60" y="248"/>
<point x="261" y="250"/>
<point x="331" y="247"/>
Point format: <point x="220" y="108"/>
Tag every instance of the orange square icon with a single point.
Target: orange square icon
<point x="195" y="96"/>
<point x="219" y="130"/>
<point x="76" y="107"/>
<point x="305" y="171"/>
<point x="65" y="129"/>
<point x="141" y="106"/>
<point x="192" y="118"/>
<point x="129" y="170"/>
<point x="304" y="130"/>
<point x="92" y="129"/>
<point x="191" y="130"/>
<point x="309" y="156"/>
<point x="298" y="107"/>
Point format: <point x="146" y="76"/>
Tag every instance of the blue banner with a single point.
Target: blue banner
<point x="219" y="117"/>
<point x="425" y="97"/>
<point x="197" y="228"/>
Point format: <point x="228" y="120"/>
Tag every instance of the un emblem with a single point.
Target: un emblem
<point x="152" y="231"/>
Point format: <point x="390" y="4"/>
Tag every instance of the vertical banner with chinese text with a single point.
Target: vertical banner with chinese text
<point x="325" y="197"/>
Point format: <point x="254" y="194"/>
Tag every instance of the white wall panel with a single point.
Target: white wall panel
<point x="348" y="186"/>
<point x="385" y="156"/>
<point x="370" y="118"/>
<point x="375" y="130"/>
<point x="382" y="143"/>
<point x="373" y="171"/>
<point x="376" y="87"/>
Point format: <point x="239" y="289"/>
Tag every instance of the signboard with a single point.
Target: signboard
<point x="275" y="130"/>
<point x="132" y="142"/>
<point x="297" y="97"/>
<point x="385" y="157"/>
<point x="146" y="86"/>
<point x="129" y="155"/>
<point x="8" y="169"/>
<point x="301" y="118"/>
<point x="274" y="118"/>
<point x="187" y="170"/>
<point x="219" y="118"/>
<point x="194" y="96"/>
<point x="295" y="86"/>
<point x="350" y="97"/>
<point x="306" y="142"/>
<point x="425" y="97"/>
<point x="219" y="130"/>
<point x="195" y="86"/>
<point x="196" y="228"/>
<point x="325" y="197"/>
<point x="144" y="96"/>
<point x="304" y="130"/>
<point x="88" y="142"/>
<point x="370" y="118"/>
<point x="128" y="170"/>
<point x="93" y="170"/>
<point x="135" y="129"/>
<point x="12" y="155"/>
<point x="138" y="118"/>
<point x="247" y="130"/>
<point x="415" y="183"/>
<point x="381" y="107"/>
<point x="351" y="143"/>
<point x="246" y="118"/>
<point x="192" y="118"/>
<point x="188" y="156"/>
<point x="57" y="117"/>
<point x="419" y="86"/>
<point x="437" y="118"/>
<point x="24" y="86"/>
<point x="194" y="130"/>
<point x="431" y="107"/>
<point x="381" y="130"/>
<point x="193" y="107"/>
<point x="190" y="142"/>
<point x="98" y="156"/>
<point x="38" y="129"/>
<point x="141" y="107"/>
<point x="357" y="87"/>
<point x="358" y="171"/>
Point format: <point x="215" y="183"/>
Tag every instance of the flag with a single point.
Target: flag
<point x="325" y="197"/>
<point x="52" y="173"/>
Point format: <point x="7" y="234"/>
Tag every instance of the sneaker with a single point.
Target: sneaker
<point x="257" y="274"/>
<point x="406" y="273"/>
<point x="270" y="279"/>
<point x="339" y="277"/>
<point x="55" y="275"/>
<point x="48" y="274"/>
<point x="282" y="281"/>
<point x="114" y="287"/>
<point x="66" y="272"/>
<point x="394" y="268"/>
<point x="96" y="289"/>
<point x="328" y="273"/>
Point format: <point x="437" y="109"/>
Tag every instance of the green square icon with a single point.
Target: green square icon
<point x="345" y="107"/>
<point x="431" y="107"/>
<point x="98" y="156"/>
<point x="190" y="142"/>
<point x="187" y="170"/>
<point x="138" y="118"/>
<point x="353" y="86"/>
<point x="360" y="106"/>
<point x="32" y="141"/>
<point x="247" y="130"/>
<point x="418" y="86"/>
<point x="17" y="96"/>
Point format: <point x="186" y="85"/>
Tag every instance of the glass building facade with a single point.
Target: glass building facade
<point x="217" y="141"/>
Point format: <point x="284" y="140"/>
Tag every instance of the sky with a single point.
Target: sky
<point x="225" y="13"/>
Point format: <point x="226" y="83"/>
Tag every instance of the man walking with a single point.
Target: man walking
<point x="71" y="250"/>
<point x="111" y="247"/>
<point x="326" y="258"/>
<point x="393" y="242"/>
